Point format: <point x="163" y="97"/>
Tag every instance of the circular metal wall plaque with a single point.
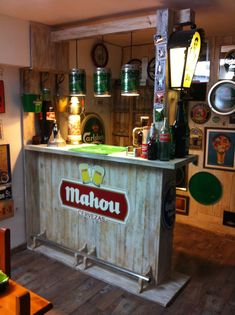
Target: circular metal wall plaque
<point x="221" y="97"/>
<point x="205" y="188"/>
<point x="200" y="113"/>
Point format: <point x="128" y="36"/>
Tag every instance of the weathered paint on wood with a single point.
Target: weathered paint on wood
<point x="141" y="243"/>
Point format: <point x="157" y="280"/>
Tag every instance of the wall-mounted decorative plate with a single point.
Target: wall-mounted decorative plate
<point x="221" y="97"/>
<point x="205" y="188"/>
<point x="200" y="113"/>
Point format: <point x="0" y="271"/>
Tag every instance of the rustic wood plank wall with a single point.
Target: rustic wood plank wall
<point x="134" y="245"/>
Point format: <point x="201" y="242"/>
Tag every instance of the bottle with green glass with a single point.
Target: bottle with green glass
<point x="164" y="142"/>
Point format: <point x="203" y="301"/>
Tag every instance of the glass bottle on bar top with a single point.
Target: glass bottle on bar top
<point x="47" y="116"/>
<point x="180" y="131"/>
<point x="152" y="143"/>
<point x="164" y="142"/>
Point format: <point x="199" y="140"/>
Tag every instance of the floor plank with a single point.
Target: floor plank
<point x="208" y="258"/>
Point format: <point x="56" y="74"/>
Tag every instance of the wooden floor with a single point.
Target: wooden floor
<point x="208" y="258"/>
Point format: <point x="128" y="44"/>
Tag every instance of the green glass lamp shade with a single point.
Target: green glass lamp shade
<point x="77" y="82"/>
<point x="102" y="82"/>
<point x="130" y="80"/>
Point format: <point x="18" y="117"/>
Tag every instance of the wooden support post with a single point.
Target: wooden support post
<point x="23" y="304"/>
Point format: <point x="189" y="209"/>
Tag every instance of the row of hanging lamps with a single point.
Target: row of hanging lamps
<point x="130" y="74"/>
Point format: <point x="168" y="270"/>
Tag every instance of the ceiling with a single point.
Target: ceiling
<point x="217" y="17"/>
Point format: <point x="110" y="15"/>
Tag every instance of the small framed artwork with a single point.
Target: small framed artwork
<point x="219" y="149"/>
<point x="182" y="204"/>
<point x="6" y="209"/>
<point x="5" y="166"/>
<point x="195" y="139"/>
<point x="2" y="97"/>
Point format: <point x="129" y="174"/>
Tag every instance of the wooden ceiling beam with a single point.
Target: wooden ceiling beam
<point x="104" y="28"/>
<point x="116" y="26"/>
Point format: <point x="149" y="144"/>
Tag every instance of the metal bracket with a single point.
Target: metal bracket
<point x="78" y="259"/>
<point x="36" y="241"/>
<point x="86" y="261"/>
<point x="142" y="284"/>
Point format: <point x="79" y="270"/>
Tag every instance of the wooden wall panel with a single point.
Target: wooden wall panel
<point x="134" y="245"/>
<point x="45" y="54"/>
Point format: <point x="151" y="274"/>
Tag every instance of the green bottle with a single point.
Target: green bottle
<point x="164" y="142"/>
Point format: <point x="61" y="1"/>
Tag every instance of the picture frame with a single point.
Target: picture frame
<point x="2" y="97"/>
<point x="182" y="204"/>
<point x="219" y="149"/>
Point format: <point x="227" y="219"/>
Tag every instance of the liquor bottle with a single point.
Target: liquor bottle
<point x="180" y="132"/>
<point x="152" y="143"/>
<point x="172" y="146"/>
<point x="47" y="116"/>
<point x="164" y="142"/>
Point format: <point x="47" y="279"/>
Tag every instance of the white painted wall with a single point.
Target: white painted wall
<point x="12" y="132"/>
<point x="14" y="53"/>
<point x="14" y="39"/>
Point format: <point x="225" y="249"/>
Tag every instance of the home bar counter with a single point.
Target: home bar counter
<point x="119" y="231"/>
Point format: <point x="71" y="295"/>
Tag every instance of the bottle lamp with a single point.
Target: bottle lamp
<point x="184" y="48"/>
<point x="102" y="82"/>
<point x="130" y="80"/>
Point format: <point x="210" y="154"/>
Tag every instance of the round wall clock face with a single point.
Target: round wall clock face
<point x="200" y="113"/>
<point x="99" y="55"/>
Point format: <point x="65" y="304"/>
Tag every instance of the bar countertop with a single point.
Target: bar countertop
<point x="120" y="157"/>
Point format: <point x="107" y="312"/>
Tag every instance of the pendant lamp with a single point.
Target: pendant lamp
<point x="102" y="82"/>
<point x="130" y="75"/>
<point x="77" y="79"/>
<point x="101" y="75"/>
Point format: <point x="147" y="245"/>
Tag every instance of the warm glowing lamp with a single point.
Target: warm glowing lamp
<point x="184" y="49"/>
<point x="74" y="121"/>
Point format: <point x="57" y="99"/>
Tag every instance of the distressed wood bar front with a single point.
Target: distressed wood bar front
<point x="139" y="240"/>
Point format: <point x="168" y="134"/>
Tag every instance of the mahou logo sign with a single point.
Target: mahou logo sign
<point x="101" y="202"/>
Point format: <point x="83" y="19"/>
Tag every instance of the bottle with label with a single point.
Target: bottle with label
<point x="164" y="142"/>
<point x="180" y="132"/>
<point x="144" y="146"/>
<point x="152" y="143"/>
<point x="47" y="116"/>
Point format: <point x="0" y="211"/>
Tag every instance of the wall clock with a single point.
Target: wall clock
<point x="99" y="55"/>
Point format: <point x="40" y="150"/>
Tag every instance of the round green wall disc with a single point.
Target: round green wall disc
<point x="205" y="188"/>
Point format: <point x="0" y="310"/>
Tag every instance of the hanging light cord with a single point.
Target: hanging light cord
<point x="76" y="53"/>
<point x="131" y="47"/>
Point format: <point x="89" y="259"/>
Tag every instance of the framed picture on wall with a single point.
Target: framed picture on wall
<point x="2" y="97"/>
<point x="182" y="204"/>
<point x="219" y="149"/>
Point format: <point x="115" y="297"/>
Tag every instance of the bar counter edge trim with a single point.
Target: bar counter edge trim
<point x="120" y="157"/>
